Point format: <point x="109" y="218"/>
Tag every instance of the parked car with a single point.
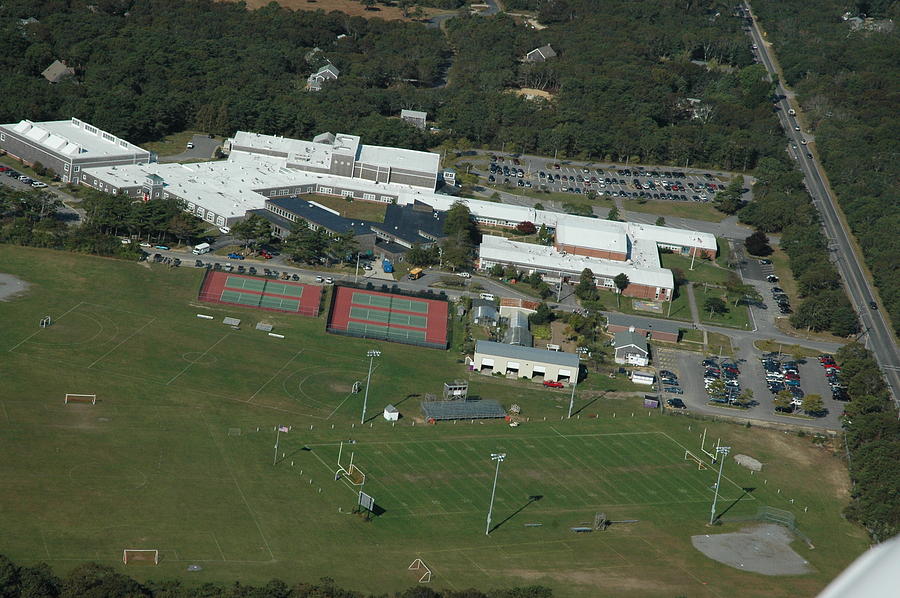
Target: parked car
<point x="163" y="247"/>
<point x="235" y="256"/>
<point x="676" y="403"/>
<point x="667" y="374"/>
<point x="464" y="274"/>
<point x="674" y="390"/>
<point x="551" y="384"/>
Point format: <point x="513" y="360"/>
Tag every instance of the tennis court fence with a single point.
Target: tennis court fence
<point x="256" y="293"/>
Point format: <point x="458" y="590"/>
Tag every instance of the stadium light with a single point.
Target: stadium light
<point x="574" y="384"/>
<point x="372" y="354"/>
<point x="722" y="451"/>
<point x="498" y="457"/>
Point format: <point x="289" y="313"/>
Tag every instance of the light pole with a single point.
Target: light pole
<point x="574" y="384"/>
<point x="498" y="457"/>
<point x="722" y="451"/>
<point x="372" y="354"/>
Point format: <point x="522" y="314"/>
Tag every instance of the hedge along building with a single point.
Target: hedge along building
<point x="67" y="147"/>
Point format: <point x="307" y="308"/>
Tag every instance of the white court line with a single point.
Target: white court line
<point x="275" y="375"/>
<point x="125" y="340"/>
<point x="202" y="355"/>
<point x="21" y="342"/>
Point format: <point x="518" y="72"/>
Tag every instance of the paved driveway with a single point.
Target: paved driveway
<point x="203" y="149"/>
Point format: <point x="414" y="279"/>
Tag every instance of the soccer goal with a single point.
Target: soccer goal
<point x="419" y="565"/>
<point x="144" y="556"/>
<point x="689" y="456"/>
<point x="75" y="398"/>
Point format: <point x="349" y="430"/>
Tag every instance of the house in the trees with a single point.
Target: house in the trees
<point x="329" y="72"/>
<point x="542" y="54"/>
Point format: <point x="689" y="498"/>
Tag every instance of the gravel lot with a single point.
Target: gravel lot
<point x="11" y="286"/>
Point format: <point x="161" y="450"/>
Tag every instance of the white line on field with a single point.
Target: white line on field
<point x="275" y="375"/>
<point x="125" y="340"/>
<point x="23" y="341"/>
<point x="202" y="355"/>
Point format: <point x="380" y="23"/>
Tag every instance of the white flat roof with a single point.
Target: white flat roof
<point x="500" y="249"/>
<point x="76" y="139"/>
<point x="319" y="154"/>
<point x="593" y="233"/>
<point x="395" y="157"/>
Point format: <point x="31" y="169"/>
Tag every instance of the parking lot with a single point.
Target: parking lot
<point x="687" y="366"/>
<point x="605" y="180"/>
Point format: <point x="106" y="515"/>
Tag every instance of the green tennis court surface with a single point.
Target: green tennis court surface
<point x="366" y="299"/>
<point x="239" y="282"/>
<point x="418" y="307"/>
<point x="240" y="298"/>
<point x="384" y="332"/>
<point x="388" y="317"/>
<point x="279" y="303"/>
<point x="289" y="290"/>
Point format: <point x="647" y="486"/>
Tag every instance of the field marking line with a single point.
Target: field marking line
<point x="275" y="375"/>
<point x="27" y="338"/>
<point x="125" y="340"/>
<point x="250" y="510"/>
<point x="558" y="432"/>
<point x="349" y="486"/>
<point x="202" y="355"/>
<point x="219" y="546"/>
<point x="44" y="541"/>
<point x="736" y="485"/>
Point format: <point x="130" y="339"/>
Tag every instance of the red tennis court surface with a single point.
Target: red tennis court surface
<point x="260" y="293"/>
<point x="390" y="317"/>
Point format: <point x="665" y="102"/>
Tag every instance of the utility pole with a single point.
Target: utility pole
<point x="722" y="452"/>
<point x="498" y="457"/>
<point x="372" y="354"/>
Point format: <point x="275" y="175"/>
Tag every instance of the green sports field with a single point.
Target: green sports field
<point x="177" y="455"/>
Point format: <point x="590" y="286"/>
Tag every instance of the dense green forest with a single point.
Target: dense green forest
<point x="848" y="81"/>
<point x="145" y="69"/>
<point x="97" y="581"/>
<point x="873" y="441"/>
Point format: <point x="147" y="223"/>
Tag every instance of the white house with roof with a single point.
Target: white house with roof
<point x="416" y="118"/>
<point x="631" y="348"/>
<point x="541" y="54"/>
<point x="329" y="72"/>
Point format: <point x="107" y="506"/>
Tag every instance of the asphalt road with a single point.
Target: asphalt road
<point x="877" y="334"/>
<point x="65" y="213"/>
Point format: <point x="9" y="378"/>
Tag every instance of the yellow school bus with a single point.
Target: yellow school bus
<point x="415" y="273"/>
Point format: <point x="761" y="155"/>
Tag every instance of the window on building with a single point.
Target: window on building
<point x="210" y="216"/>
<point x="66" y="167"/>
<point x="2" y="137"/>
<point x="77" y="168"/>
<point x="220" y="221"/>
<point x="369" y="196"/>
<point x="200" y="211"/>
<point x="326" y="190"/>
<point x="165" y="196"/>
<point x="190" y="206"/>
<point x="346" y="193"/>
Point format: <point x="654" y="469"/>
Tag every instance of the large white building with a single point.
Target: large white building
<point x="264" y="167"/>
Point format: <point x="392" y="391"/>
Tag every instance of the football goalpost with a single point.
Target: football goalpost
<point x="353" y="473"/>
<point x="132" y="556"/>
<point x="688" y="455"/>
<point x="711" y="455"/>
<point x="76" y="398"/>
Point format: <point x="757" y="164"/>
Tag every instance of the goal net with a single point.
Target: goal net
<point x="74" y="398"/>
<point x="143" y="556"/>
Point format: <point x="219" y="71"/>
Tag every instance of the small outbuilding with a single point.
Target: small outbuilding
<point x="645" y="378"/>
<point x="391" y="413"/>
<point x="414" y="117"/>
<point x="58" y="71"/>
<point x="631" y="348"/>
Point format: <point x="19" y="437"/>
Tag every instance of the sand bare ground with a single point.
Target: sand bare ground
<point x="350" y="7"/>
<point x="762" y="549"/>
<point x="11" y="287"/>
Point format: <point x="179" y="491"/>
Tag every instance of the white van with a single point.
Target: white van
<point x="202" y="248"/>
<point x="487" y="296"/>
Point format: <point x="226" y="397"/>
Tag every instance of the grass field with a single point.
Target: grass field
<point x="365" y="210"/>
<point x="677" y="209"/>
<point x="178" y="454"/>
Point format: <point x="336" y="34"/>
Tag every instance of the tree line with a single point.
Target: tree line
<point x="873" y="441"/>
<point x="847" y="82"/>
<point x="99" y="581"/>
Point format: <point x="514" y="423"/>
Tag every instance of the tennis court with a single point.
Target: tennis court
<point x="382" y="331"/>
<point x="389" y="316"/>
<point x="260" y="293"/>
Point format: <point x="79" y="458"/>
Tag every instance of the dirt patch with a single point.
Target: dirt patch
<point x="606" y="578"/>
<point x="558" y="336"/>
<point x="11" y="287"/>
<point x="350" y="7"/>
<point x="530" y="94"/>
<point x="761" y="548"/>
